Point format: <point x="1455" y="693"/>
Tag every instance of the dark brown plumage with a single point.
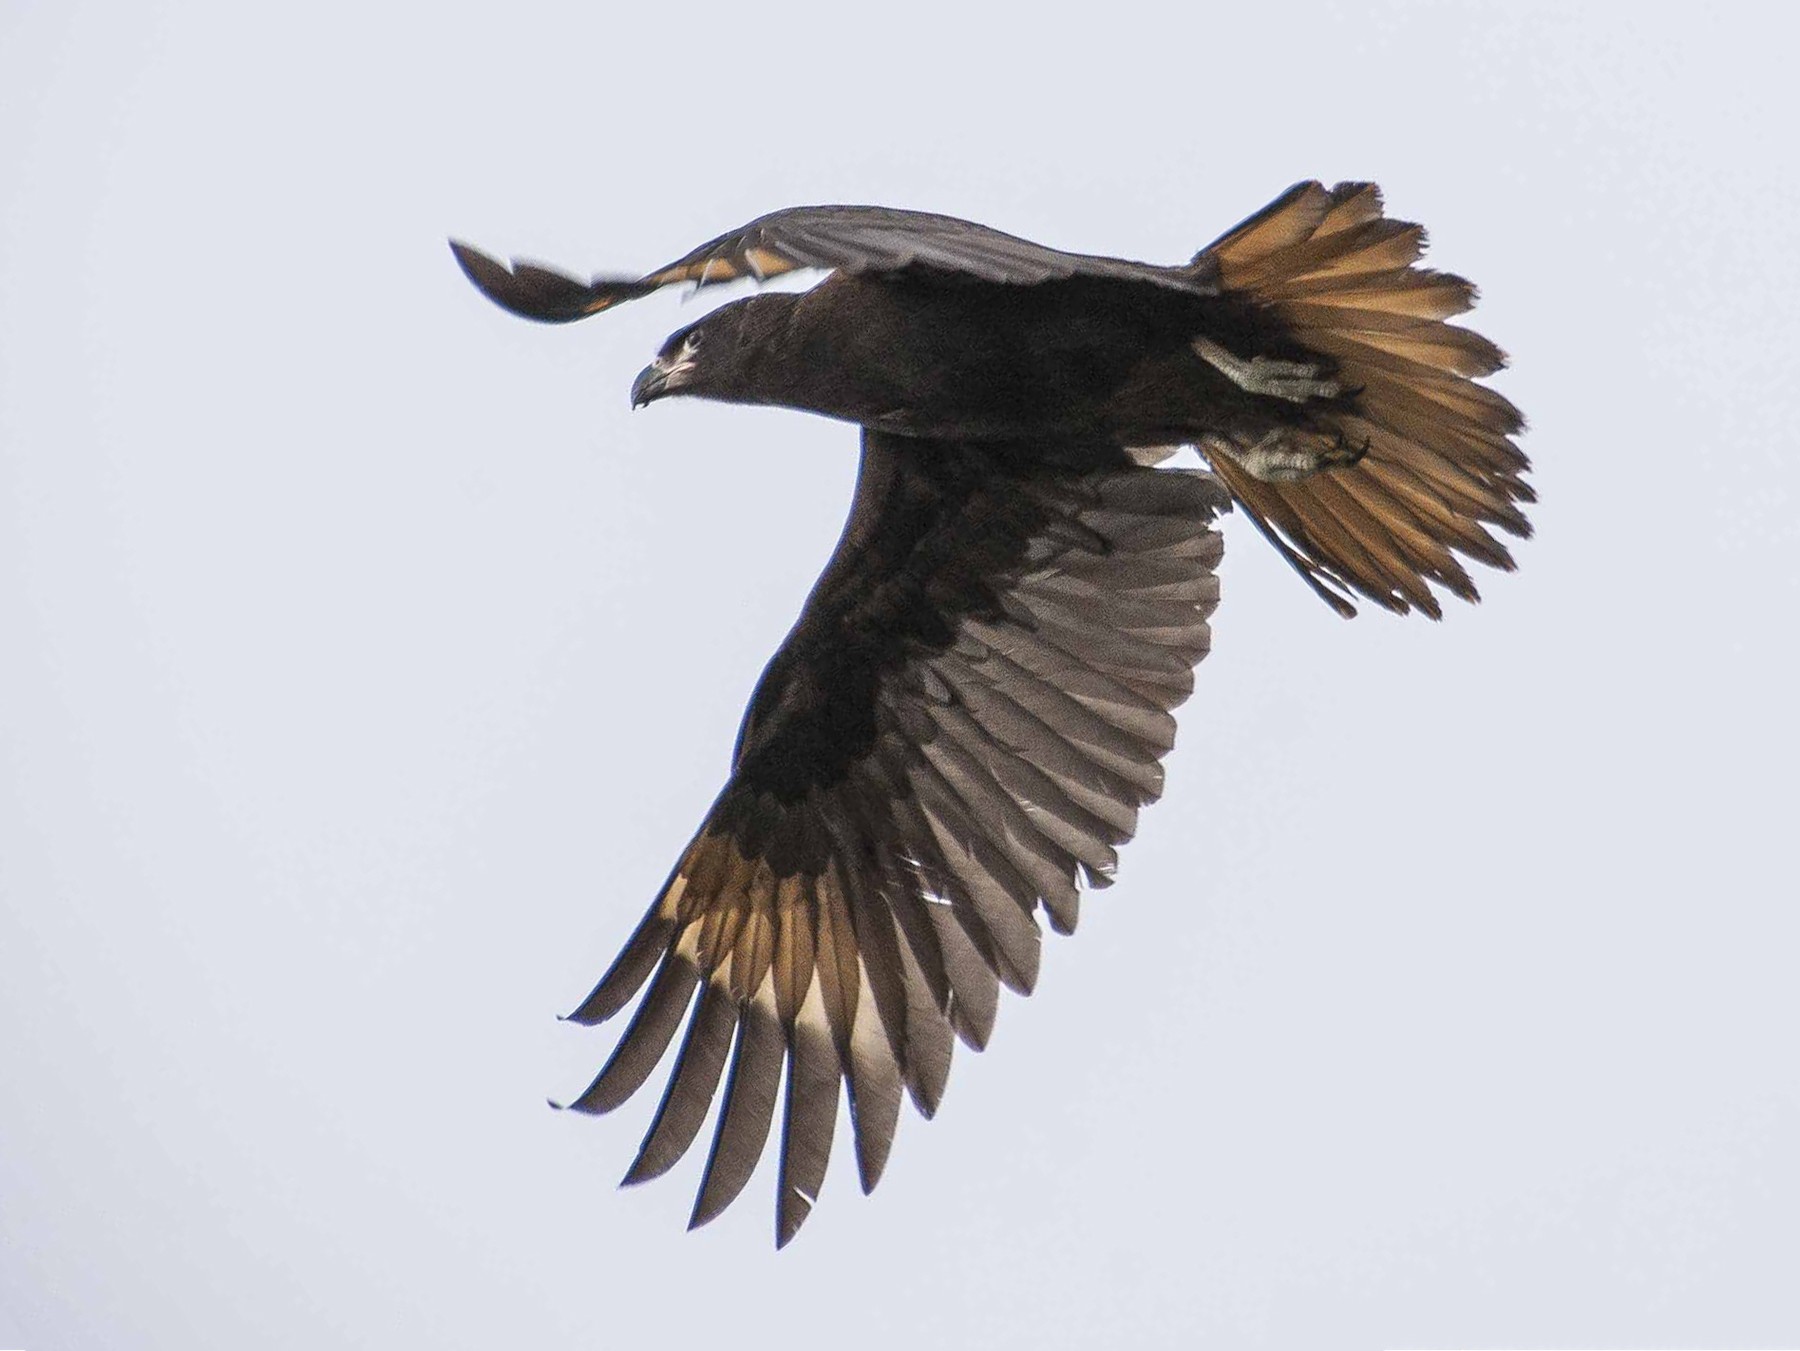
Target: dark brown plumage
<point x="962" y="725"/>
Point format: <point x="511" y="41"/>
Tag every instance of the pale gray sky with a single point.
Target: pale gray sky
<point x="368" y="661"/>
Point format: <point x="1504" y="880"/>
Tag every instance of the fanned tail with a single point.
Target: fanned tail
<point x="1439" y="465"/>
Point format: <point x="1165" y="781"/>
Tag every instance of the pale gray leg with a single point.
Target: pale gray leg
<point x="1295" y="381"/>
<point x="1284" y="455"/>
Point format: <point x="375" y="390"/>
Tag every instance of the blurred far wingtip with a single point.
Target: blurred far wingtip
<point x="539" y="293"/>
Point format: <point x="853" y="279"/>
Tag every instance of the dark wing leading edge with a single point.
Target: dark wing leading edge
<point x="846" y="238"/>
<point x="959" y="730"/>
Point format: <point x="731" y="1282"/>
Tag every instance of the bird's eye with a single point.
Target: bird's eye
<point x="691" y="343"/>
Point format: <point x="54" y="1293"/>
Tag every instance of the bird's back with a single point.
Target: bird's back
<point x="980" y="361"/>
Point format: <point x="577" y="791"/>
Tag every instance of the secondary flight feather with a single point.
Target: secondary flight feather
<point x="974" y="704"/>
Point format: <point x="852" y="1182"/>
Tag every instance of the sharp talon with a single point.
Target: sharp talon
<point x="1342" y="454"/>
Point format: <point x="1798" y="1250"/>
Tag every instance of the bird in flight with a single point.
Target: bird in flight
<point x="975" y="701"/>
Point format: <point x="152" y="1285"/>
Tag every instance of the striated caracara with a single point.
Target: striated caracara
<point x="977" y="696"/>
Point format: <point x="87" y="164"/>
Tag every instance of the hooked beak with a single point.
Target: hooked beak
<point x="660" y="377"/>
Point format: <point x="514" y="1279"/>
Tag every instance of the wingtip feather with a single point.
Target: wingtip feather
<point x="539" y="293"/>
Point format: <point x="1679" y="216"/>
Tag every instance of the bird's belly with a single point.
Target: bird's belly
<point x="1097" y="405"/>
<point x="1062" y="361"/>
<point x="1003" y="398"/>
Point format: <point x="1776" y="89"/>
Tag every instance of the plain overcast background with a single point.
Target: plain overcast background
<point x="367" y="662"/>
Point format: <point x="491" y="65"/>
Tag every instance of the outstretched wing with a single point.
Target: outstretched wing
<point x="959" y="730"/>
<point x="846" y="238"/>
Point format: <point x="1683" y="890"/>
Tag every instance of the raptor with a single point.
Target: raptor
<point x="976" y="699"/>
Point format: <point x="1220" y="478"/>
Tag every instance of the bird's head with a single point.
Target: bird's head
<point x="718" y="357"/>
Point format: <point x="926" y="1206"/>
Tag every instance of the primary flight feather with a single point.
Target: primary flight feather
<point x="977" y="696"/>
